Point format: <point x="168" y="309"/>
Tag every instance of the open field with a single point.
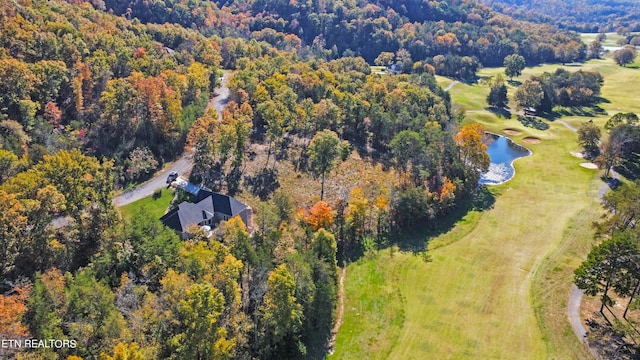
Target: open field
<point x="157" y="207"/>
<point x="616" y="93"/>
<point x="610" y="39"/>
<point x="500" y="279"/>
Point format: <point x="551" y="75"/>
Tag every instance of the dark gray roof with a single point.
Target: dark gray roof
<point x="207" y="204"/>
<point x="172" y="220"/>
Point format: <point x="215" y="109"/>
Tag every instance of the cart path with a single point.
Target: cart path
<point x="451" y="85"/>
<point x="340" y="312"/>
<point x="575" y="298"/>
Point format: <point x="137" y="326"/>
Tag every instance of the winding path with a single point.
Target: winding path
<point x="567" y="126"/>
<point x="451" y="85"/>
<point x="184" y="164"/>
<point x="573" y="310"/>
<point x="575" y="297"/>
<point x="340" y="314"/>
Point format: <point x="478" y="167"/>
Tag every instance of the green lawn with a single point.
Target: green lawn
<point x="443" y="81"/>
<point x="499" y="282"/>
<point x="156" y="207"/>
<point x="610" y="40"/>
<point x="475" y="299"/>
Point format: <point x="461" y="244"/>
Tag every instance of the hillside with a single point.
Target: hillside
<point x="333" y="158"/>
<point x="365" y="28"/>
<point x="75" y="77"/>
<point x="579" y="15"/>
<point x="333" y="162"/>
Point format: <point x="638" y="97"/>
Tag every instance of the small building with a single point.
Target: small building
<point x="394" y="69"/>
<point x="208" y="209"/>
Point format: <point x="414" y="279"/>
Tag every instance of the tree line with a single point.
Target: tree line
<point x="457" y="30"/>
<point x="578" y="15"/>
<point x="545" y="92"/>
<point x="619" y="151"/>
<point x="611" y="270"/>
<point x="134" y="287"/>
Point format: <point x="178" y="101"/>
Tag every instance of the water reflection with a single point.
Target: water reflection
<point x="502" y="152"/>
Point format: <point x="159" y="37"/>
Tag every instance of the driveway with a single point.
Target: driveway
<point x="158" y="181"/>
<point x="183" y="165"/>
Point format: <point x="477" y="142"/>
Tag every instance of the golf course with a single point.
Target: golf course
<point x="498" y="281"/>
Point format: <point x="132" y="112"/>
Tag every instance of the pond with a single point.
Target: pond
<point x="502" y="152"/>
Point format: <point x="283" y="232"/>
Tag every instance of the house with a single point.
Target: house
<point x="394" y="69"/>
<point x="208" y="209"/>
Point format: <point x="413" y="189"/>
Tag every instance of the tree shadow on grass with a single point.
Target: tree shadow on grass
<point x="608" y="341"/>
<point x="586" y="111"/>
<point x="514" y="83"/>
<point x="533" y="122"/>
<point x="416" y="239"/>
<point x="499" y="112"/>
<point x="263" y="184"/>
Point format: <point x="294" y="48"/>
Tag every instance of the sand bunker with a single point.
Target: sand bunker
<point x="577" y="154"/>
<point x="511" y="132"/>
<point x="589" y="165"/>
<point x="531" y="140"/>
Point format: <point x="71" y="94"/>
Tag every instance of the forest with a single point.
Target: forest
<point x="76" y="78"/>
<point x="579" y="15"/>
<point x="92" y="103"/>
<point x="417" y="30"/>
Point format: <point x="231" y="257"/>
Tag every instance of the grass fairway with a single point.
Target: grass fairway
<point x="499" y="282"/>
<point x="475" y="299"/>
<point x="156" y="207"/>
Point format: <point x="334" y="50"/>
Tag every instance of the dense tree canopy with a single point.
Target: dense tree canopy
<point x="578" y="15"/>
<point x="560" y="88"/>
<point x="463" y="31"/>
<point x="75" y="77"/>
<point x="91" y="86"/>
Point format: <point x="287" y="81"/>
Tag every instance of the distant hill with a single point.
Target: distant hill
<point x="338" y="28"/>
<point x="579" y="15"/>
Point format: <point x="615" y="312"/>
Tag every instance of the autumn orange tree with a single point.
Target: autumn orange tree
<point x="319" y="216"/>
<point x="12" y="308"/>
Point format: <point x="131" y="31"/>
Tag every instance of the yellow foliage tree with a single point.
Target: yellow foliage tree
<point x="473" y="151"/>
<point x="357" y="209"/>
<point x="124" y="352"/>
